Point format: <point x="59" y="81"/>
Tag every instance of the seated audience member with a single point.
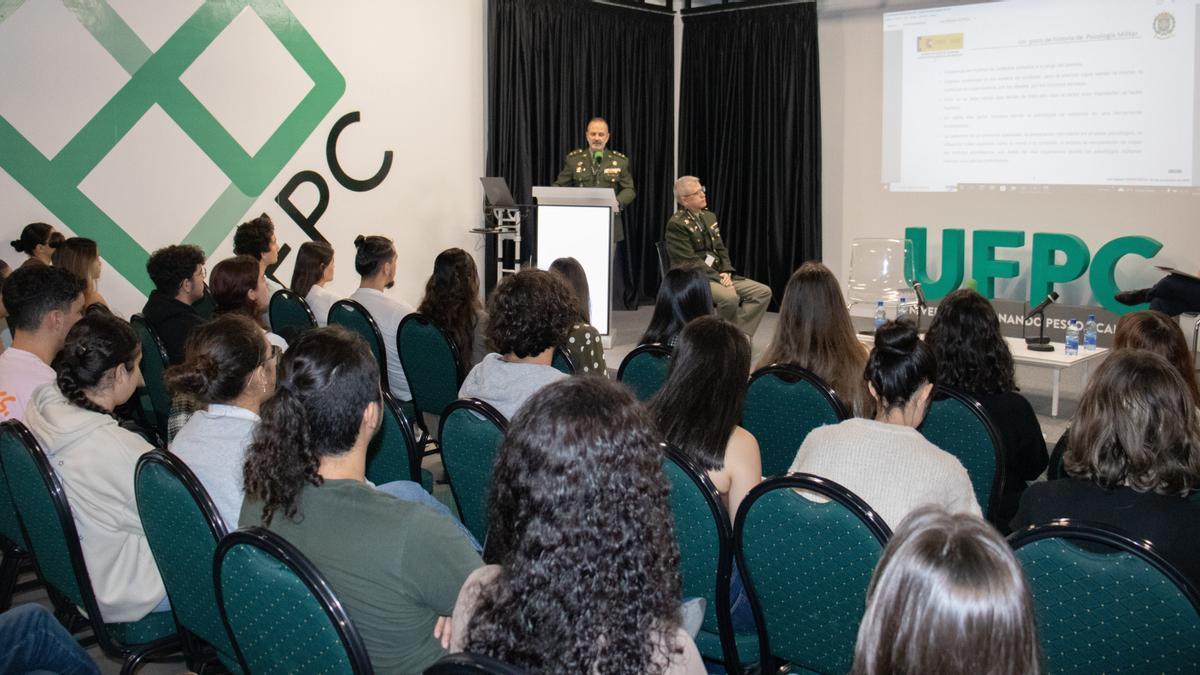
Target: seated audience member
<point x="1172" y="295"/>
<point x="95" y="458"/>
<point x="815" y="333"/>
<point x="698" y="409"/>
<point x="81" y="257"/>
<point x="973" y="358"/>
<point x="529" y="314"/>
<point x="587" y="579"/>
<point x="397" y="566"/>
<point x="683" y="295"/>
<point x="37" y="241"/>
<point x="6" y="335"/>
<point x="886" y="461"/>
<point x="43" y="303"/>
<point x="230" y="368"/>
<point x="1159" y="333"/>
<point x="256" y="238"/>
<point x="33" y="641"/>
<point x="583" y="340"/>
<point x="1132" y="459"/>
<point x="314" y="269"/>
<point x="238" y="287"/>
<point x="375" y="261"/>
<point x="948" y="596"/>
<point x="452" y="303"/>
<point x="178" y="276"/>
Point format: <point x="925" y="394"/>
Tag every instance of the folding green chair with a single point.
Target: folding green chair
<point x="49" y="528"/>
<point x="281" y="614"/>
<point x="354" y="317"/>
<point x="562" y="361"/>
<point x="432" y="366"/>
<point x="183" y="527"/>
<point x="471" y="433"/>
<point x="1114" y="606"/>
<point x="290" y="315"/>
<point x="644" y="370"/>
<point x="783" y="404"/>
<point x="958" y="424"/>
<point x="13" y="547"/>
<point x="807" y="566"/>
<point x="154" y="399"/>
<point x="394" y="454"/>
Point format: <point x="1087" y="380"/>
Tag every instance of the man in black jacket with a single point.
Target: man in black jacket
<point x="178" y="276"/>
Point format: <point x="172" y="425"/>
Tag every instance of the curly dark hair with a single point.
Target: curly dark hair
<point x="170" y="266"/>
<point x="253" y="237"/>
<point x="327" y="378"/>
<point x="589" y="560"/>
<point x="95" y="345"/>
<point x="451" y="299"/>
<point x="33" y="291"/>
<point x="219" y="358"/>
<point x="971" y="354"/>
<point x="530" y="312"/>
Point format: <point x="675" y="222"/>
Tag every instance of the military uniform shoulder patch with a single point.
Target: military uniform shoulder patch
<point x="614" y="152"/>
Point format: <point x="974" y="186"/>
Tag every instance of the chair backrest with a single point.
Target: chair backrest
<point x="1118" y="606"/>
<point x="562" y="361"/>
<point x="393" y="454"/>
<point x="280" y="612"/>
<point x="466" y="663"/>
<point x="183" y="528"/>
<point x="664" y="258"/>
<point x="290" y="315"/>
<point x="351" y="315"/>
<point x="154" y="367"/>
<point x="10" y="525"/>
<point x="644" y="370"/>
<point x="431" y="363"/>
<point x="471" y="432"/>
<point x="958" y="424"/>
<point x="783" y="404"/>
<point x="807" y="566"/>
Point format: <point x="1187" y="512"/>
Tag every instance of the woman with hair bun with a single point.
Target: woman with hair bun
<point x="948" y="596"/>
<point x="229" y="367"/>
<point x="37" y="241"/>
<point x="886" y="461"/>
<point x="94" y="457"/>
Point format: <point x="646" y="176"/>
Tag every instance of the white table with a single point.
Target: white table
<point x="1055" y="360"/>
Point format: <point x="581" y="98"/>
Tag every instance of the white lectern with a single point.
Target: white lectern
<point x="577" y="222"/>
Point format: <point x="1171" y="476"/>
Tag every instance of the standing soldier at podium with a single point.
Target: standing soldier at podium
<point x="597" y="167"/>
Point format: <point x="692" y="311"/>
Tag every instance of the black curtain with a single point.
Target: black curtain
<point x="555" y="64"/>
<point x="749" y="129"/>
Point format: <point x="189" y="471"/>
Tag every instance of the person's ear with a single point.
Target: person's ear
<point x="871" y="388"/>
<point x="923" y="393"/>
<point x="372" y="417"/>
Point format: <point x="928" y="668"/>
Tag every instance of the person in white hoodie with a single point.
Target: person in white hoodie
<point x="96" y="371"/>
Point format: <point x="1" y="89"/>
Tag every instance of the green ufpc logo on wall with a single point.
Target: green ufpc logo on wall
<point x="146" y="124"/>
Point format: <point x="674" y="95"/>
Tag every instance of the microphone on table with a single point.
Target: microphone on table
<point x="916" y="286"/>
<point x="1043" y="304"/>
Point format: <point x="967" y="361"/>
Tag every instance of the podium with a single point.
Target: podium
<point x="577" y="223"/>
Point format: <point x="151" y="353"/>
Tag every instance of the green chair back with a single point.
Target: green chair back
<point x="431" y="363"/>
<point x="354" y="317"/>
<point x="49" y="527"/>
<point x="783" y="404"/>
<point x="281" y="614"/>
<point x="183" y="527"/>
<point x="1116" y="608"/>
<point x="807" y="566"/>
<point x="958" y="424"/>
<point x="644" y="370"/>
<point x="471" y="432"/>
<point x="393" y="454"/>
<point x="10" y="525"/>
<point x="562" y="361"/>
<point x="154" y="367"/>
<point x="290" y="315"/>
<point x="705" y="540"/>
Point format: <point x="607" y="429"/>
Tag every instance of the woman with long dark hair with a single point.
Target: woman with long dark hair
<point x="973" y="358"/>
<point x="886" y="461"/>
<point x="452" y="303"/>
<point x="81" y="256"/>
<point x="814" y="332"/>
<point x="1159" y="333"/>
<point x="396" y="565"/>
<point x="94" y="457"/>
<point x="314" y="269"/>
<point x="583" y="340"/>
<point x="238" y="286"/>
<point x="683" y="295"/>
<point x="586" y="580"/>
<point x="37" y="241"/>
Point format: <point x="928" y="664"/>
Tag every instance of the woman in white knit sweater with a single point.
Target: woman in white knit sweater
<point x="886" y="461"/>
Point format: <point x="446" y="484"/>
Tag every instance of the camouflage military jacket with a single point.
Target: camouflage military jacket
<point x="580" y="169"/>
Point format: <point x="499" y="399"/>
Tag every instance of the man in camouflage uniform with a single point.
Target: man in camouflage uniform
<point x="693" y="236"/>
<point x="597" y="167"/>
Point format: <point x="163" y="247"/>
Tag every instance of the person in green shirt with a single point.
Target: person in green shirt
<point x="692" y="235"/>
<point x="396" y="565"/>
<point x="599" y="167"/>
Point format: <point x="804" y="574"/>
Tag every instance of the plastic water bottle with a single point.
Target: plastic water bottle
<point x="1089" y="334"/>
<point x="1072" y="347"/>
<point x="900" y="310"/>
<point x="880" y="314"/>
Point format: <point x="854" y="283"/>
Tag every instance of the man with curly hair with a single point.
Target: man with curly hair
<point x="530" y="314"/>
<point x="256" y="238"/>
<point x="178" y="276"/>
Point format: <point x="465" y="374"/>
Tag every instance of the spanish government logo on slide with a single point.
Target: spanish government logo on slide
<point x="1164" y="25"/>
<point x="143" y="124"/>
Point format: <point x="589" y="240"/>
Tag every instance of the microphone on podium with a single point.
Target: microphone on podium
<point x="1041" y="343"/>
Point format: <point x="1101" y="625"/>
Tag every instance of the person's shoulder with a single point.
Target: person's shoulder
<point x="678" y="217"/>
<point x="619" y="157"/>
<point x="577" y="153"/>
